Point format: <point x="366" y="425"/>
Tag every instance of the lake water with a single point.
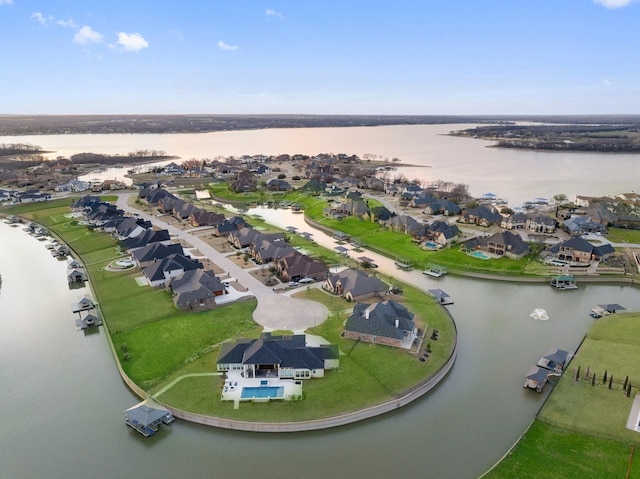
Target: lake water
<point x="62" y="401"/>
<point x="514" y="175"/>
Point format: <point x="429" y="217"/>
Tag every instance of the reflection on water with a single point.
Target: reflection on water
<point x="514" y="175"/>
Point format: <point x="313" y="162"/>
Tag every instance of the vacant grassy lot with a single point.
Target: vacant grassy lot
<point x="548" y="452"/>
<point x="612" y="345"/>
<point x="581" y="431"/>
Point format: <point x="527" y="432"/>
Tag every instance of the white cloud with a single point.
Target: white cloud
<point x="132" y="42"/>
<point x="6" y="2"/>
<point x="87" y="35"/>
<point x="613" y="3"/>
<point x="39" y="17"/>
<point x="223" y="46"/>
<point x="67" y="23"/>
<point x="272" y="13"/>
<point x="607" y="82"/>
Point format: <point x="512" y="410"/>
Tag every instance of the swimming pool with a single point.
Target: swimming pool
<point x="273" y="392"/>
<point x="479" y="254"/>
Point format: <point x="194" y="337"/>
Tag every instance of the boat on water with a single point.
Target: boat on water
<point x="564" y="281"/>
<point x="605" y="310"/>
<point x="435" y="272"/>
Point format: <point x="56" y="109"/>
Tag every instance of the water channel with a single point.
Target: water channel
<point x="62" y="400"/>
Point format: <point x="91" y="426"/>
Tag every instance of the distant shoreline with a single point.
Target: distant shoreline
<point x="30" y="125"/>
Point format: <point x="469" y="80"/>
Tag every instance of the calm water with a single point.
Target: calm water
<point x="516" y="176"/>
<point x="62" y="402"/>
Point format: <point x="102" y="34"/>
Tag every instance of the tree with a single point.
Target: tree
<point x="282" y="176"/>
<point x="560" y="198"/>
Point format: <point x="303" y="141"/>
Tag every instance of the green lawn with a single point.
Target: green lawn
<point x="580" y="431"/>
<point x="612" y="345"/>
<point x="622" y="235"/>
<point x="554" y="453"/>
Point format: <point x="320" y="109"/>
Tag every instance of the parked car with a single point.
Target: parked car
<point x="306" y="280"/>
<point x="293" y="283"/>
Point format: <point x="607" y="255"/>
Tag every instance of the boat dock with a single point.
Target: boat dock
<point x="435" y="271"/>
<point x="551" y="364"/>
<point x="563" y="281"/>
<point x="440" y="296"/>
<point x="146" y="417"/>
<point x="605" y="310"/>
<point x="403" y="266"/>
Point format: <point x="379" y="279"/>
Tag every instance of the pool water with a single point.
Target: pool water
<point x="276" y="392"/>
<point x="479" y="254"/>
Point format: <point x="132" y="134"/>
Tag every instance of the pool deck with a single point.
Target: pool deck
<point x="232" y="390"/>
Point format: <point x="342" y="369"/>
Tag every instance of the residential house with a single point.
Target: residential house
<point x="282" y="357"/>
<point x="404" y="224"/>
<point x="195" y="289"/>
<point x="129" y="227"/>
<point x="541" y="224"/>
<point x="579" y="225"/>
<point x="481" y="216"/>
<point x="265" y="249"/>
<point x="154" y="252"/>
<point x="354" y="285"/>
<point x="514" y="221"/>
<point x="441" y="233"/>
<point x="161" y="271"/>
<point x="147" y="237"/>
<point x="244" y="181"/>
<point x="276" y="184"/>
<point x="294" y="266"/>
<point x="578" y="250"/>
<point x="229" y="225"/>
<point x="200" y="217"/>
<point x="383" y="322"/>
<point x="442" y="207"/>
<point x="505" y="244"/>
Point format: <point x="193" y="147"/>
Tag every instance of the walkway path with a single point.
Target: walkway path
<point x="274" y="311"/>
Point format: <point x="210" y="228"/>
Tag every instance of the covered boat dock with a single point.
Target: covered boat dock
<point x="146" y="417"/>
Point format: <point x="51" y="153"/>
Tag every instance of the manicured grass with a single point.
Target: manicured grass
<point x="622" y="235"/>
<point x="581" y="430"/>
<point x="158" y="348"/>
<point x="612" y="345"/>
<point x="554" y="453"/>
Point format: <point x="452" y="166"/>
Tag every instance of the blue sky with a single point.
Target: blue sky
<point x="421" y="57"/>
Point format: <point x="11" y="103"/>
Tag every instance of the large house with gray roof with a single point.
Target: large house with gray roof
<point x="195" y="289"/>
<point x="505" y="244"/>
<point x="354" y="285"/>
<point x="578" y="250"/>
<point x="282" y="357"/>
<point x="384" y="322"/>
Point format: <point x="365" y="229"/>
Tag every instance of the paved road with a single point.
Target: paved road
<point x="274" y="311"/>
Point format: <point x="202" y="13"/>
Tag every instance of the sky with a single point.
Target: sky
<point x="373" y="57"/>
